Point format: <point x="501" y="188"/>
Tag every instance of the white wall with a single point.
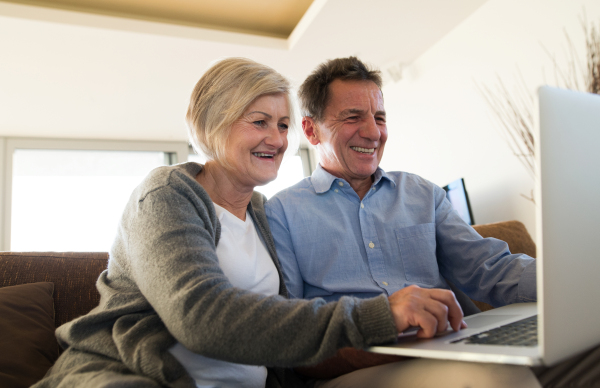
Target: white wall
<point x="65" y="74"/>
<point x="441" y="127"/>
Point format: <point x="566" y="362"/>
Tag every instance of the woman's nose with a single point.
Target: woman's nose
<point x="275" y="138"/>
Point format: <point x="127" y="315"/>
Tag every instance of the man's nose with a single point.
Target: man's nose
<point x="370" y="130"/>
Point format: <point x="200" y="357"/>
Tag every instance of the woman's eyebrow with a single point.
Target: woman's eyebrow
<point x="257" y="111"/>
<point x="268" y="115"/>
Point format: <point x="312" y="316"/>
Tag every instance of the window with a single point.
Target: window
<point x="72" y="200"/>
<point x="69" y="195"/>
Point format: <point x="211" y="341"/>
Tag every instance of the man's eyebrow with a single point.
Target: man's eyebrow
<point x="346" y="112"/>
<point x="359" y="111"/>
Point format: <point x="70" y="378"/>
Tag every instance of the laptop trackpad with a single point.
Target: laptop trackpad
<point x="479" y="321"/>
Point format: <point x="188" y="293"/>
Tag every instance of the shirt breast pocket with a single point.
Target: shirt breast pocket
<point x="417" y="251"/>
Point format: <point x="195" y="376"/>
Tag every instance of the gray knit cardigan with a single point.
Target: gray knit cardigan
<point x="164" y="284"/>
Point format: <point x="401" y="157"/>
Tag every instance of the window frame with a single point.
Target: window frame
<point x="176" y="149"/>
<point x="309" y="159"/>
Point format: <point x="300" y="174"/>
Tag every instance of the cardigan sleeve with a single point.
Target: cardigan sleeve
<point x="170" y="239"/>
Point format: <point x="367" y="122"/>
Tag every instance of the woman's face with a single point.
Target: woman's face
<point x="258" y="140"/>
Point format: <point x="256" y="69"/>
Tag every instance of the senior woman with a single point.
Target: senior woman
<point x="193" y="295"/>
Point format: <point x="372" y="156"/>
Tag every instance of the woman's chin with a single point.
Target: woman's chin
<point x="265" y="180"/>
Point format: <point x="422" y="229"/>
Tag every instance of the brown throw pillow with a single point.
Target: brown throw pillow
<point x="28" y="347"/>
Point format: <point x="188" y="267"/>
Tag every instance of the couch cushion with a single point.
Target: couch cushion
<point x="513" y="232"/>
<point x="27" y="340"/>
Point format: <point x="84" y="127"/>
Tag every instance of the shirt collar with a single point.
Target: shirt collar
<point x="322" y="180"/>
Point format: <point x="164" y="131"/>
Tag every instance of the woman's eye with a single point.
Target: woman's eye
<point x="259" y="122"/>
<point x="283" y="127"/>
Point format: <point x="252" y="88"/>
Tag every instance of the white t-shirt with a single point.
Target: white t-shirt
<point x="247" y="264"/>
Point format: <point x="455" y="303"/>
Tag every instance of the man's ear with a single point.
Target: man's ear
<point x="310" y="130"/>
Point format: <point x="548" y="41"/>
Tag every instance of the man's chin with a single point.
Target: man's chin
<point x="364" y="171"/>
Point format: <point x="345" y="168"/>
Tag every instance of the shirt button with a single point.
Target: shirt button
<point x="341" y="183"/>
<point x="371" y="245"/>
<point x="373" y="189"/>
<point x="336" y="190"/>
<point x="362" y="205"/>
<point x="384" y="283"/>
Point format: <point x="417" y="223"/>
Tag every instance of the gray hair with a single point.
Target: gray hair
<point x="314" y="91"/>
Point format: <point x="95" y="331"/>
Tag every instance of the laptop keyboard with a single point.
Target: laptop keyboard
<point x="519" y="333"/>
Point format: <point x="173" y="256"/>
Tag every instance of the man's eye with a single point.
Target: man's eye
<point x="381" y="119"/>
<point x="353" y="118"/>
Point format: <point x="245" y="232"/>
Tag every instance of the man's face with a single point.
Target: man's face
<point x="353" y="132"/>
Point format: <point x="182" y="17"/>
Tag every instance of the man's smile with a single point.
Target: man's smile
<point x="363" y="150"/>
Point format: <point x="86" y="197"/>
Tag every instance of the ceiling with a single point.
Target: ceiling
<point x="71" y="74"/>
<point x="276" y="18"/>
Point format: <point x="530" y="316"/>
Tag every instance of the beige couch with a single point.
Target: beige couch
<point x="55" y="288"/>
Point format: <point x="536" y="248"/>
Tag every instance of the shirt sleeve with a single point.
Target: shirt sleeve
<point x="285" y="248"/>
<point x="483" y="268"/>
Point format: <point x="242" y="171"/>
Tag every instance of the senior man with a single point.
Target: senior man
<point x="354" y="229"/>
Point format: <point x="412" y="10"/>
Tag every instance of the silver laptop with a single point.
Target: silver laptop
<point x="568" y="250"/>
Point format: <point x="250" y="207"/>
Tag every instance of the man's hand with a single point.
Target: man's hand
<point x="430" y="309"/>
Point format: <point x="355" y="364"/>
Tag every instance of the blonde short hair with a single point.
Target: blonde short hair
<point x="222" y="95"/>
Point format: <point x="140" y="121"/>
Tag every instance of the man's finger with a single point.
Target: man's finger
<point x="440" y="312"/>
<point x="455" y="313"/>
<point x="428" y="324"/>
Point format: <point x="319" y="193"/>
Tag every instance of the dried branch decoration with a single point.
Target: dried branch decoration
<point x="592" y="44"/>
<point x="514" y="110"/>
<point x="514" y="113"/>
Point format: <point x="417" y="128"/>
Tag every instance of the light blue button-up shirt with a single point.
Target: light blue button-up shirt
<point x="404" y="231"/>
